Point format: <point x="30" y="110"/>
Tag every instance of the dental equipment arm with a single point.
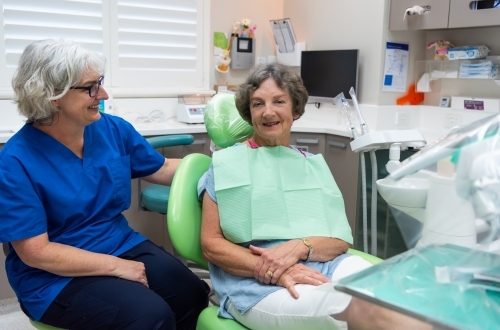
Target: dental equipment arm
<point x="347" y="112"/>
<point x="373" y="158"/>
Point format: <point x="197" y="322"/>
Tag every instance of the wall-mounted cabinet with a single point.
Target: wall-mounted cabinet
<point x="437" y="18"/>
<point x="443" y="14"/>
<point x="467" y="13"/>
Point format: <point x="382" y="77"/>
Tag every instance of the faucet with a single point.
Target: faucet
<point x="394" y="155"/>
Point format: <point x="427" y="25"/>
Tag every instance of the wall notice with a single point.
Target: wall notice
<point x="396" y="67"/>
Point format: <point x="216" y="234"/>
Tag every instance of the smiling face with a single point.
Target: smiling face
<point x="272" y="117"/>
<point x="77" y="108"/>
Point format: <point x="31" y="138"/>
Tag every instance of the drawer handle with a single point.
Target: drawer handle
<point x="308" y="141"/>
<point x="337" y="144"/>
<point x="199" y="142"/>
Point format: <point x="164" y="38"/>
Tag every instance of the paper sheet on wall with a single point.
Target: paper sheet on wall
<point x="396" y="67"/>
<point x="220" y="42"/>
<point x="283" y="34"/>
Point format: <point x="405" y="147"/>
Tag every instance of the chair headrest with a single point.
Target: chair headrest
<point x="223" y="122"/>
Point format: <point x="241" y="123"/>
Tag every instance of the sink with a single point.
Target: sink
<point x="408" y="195"/>
<point x="407" y="192"/>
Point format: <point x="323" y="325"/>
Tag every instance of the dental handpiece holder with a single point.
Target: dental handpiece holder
<point x="385" y="139"/>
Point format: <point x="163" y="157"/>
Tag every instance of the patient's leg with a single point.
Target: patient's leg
<point x="361" y="314"/>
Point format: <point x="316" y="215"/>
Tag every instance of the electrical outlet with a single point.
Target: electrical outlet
<point x="261" y="60"/>
<point x="452" y="120"/>
<point x="402" y="119"/>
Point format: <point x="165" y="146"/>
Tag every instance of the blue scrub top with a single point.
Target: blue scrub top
<point x="45" y="187"/>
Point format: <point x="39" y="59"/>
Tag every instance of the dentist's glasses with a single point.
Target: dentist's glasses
<point x="92" y="89"/>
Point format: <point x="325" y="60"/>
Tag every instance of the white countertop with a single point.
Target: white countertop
<point x="428" y="120"/>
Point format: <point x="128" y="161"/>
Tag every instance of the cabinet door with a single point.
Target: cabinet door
<point x="201" y="145"/>
<point x="310" y="142"/>
<point x="437" y="18"/>
<point x="461" y="15"/>
<point x="343" y="164"/>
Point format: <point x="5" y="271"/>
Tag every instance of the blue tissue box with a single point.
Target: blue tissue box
<point x="467" y="52"/>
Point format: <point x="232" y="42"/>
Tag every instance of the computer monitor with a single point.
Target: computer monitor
<point x="327" y="73"/>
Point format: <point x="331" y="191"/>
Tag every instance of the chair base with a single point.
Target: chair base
<point x="208" y="320"/>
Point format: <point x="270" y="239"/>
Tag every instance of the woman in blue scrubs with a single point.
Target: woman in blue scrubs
<point x="74" y="261"/>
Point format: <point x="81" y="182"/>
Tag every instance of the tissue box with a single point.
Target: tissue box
<point x="467" y="52"/>
<point x="474" y="103"/>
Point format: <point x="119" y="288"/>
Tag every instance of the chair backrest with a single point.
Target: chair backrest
<point x="223" y="121"/>
<point x="184" y="208"/>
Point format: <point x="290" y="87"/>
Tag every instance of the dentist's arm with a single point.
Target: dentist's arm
<point x="65" y="260"/>
<point x="165" y="174"/>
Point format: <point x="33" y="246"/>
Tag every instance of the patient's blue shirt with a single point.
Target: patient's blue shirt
<point x="245" y="292"/>
<point x="45" y="187"/>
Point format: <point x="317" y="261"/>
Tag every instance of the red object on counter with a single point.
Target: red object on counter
<point x="412" y="97"/>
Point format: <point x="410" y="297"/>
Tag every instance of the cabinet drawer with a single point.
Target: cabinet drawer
<point x="461" y="15"/>
<point x="310" y="142"/>
<point x="437" y="18"/>
<point x="343" y="164"/>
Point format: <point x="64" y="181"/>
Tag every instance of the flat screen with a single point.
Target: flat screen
<point x="327" y="73"/>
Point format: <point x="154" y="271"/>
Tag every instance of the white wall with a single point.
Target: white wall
<point x="340" y="24"/>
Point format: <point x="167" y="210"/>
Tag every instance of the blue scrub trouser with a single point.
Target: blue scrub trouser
<point x="174" y="299"/>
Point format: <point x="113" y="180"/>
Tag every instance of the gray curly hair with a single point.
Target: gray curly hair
<point x="47" y="69"/>
<point x="285" y="78"/>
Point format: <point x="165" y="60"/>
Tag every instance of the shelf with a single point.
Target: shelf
<point x="428" y="74"/>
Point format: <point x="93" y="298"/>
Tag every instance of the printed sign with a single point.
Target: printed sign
<point x="473" y="105"/>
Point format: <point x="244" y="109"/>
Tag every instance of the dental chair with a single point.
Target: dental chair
<point x="154" y="198"/>
<point x="184" y="208"/>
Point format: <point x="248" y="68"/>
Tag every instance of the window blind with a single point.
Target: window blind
<point x="149" y="44"/>
<point x="30" y="20"/>
<point x="162" y="38"/>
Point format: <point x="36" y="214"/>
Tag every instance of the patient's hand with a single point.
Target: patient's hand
<point x="276" y="259"/>
<point x="300" y="274"/>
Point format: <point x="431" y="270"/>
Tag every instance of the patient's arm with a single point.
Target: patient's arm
<point x="280" y="258"/>
<point x="233" y="258"/>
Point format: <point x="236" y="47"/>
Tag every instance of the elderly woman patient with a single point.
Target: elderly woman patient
<point x="65" y="178"/>
<point x="274" y="229"/>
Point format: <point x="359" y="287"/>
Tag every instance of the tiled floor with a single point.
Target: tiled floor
<point x="11" y="316"/>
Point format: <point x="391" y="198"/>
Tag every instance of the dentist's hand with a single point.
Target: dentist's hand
<point x="276" y="260"/>
<point x="300" y="274"/>
<point x="131" y="270"/>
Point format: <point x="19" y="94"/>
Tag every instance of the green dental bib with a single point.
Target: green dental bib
<point x="277" y="193"/>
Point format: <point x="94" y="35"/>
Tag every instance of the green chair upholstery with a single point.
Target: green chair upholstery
<point x="184" y="227"/>
<point x="41" y="326"/>
<point x="155" y="197"/>
<point x="368" y="257"/>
